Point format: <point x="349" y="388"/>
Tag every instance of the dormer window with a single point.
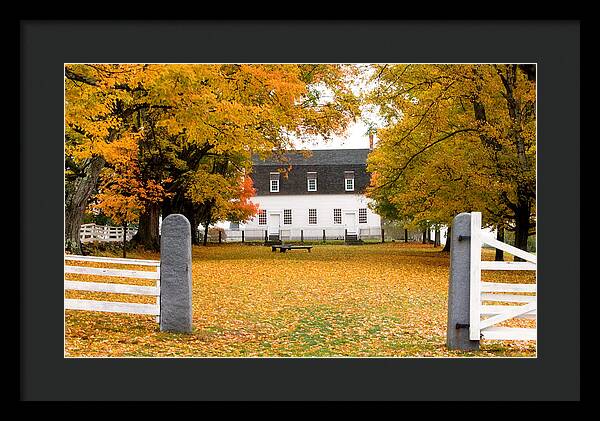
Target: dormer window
<point x="274" y="182"/>
<point x="311" y="179"/>
<point x="349" y="180"/>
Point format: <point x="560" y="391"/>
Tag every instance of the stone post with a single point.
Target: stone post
<point x="176" y="274"/>
<point x="457" y="334"/>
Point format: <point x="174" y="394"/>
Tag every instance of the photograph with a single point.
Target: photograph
<point x="276" y="210"/>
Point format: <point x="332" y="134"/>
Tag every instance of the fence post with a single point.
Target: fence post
<point x="324" y="236"/>
<point x="459" y="286"/>
<point x="176" y="274"/>
<point x="242" y="236"/>
<point x="302" y="236"/>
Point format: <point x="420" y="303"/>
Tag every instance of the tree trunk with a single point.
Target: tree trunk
<point x="187" y="208"/>
<point x="424" y="237"/>
<point x="406" y="236"/>
<point x="193" y="218"/>
<point x="521" y="227"/>
<point x="148" y="232"/>
<point x="206" y="225"/>
<point x="205" y="215"/>
<point x="526" y="186"/>
<point x="124" y="238"/>
<point x="437" y="238"/>
<point x="77" y="196"/>
<point x="500" y="237"/>
<point x="448" y="240"/>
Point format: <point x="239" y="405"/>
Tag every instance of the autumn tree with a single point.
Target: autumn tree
<point x="155" y="152"/>
<point x="224" y="114"/>
<point x="458" y="138"/>
<point x="100" y="101"/>
<point x="123" y="193"/>
<point x="193" y="116"/>
<point x="222" y="194"/>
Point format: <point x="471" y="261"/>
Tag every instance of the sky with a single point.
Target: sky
<point x="356" y="134"/>
<point x="356" y="138"/>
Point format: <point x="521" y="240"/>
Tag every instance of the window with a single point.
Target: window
<point x="311" y="178"/>
<point x="349" y="184"/>
<point x="362" y="216"/>
<point x="274" y="182"/>
<point x="287" y="216"/>
<point x="349" y="180"/>
<point x="262" y="217"/>
<point x="337" y="216"/>
<point x="274" y="186"/>
<point x="312" y="216"/>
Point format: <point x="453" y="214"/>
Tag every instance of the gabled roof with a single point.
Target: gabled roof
<point x="319" y="157"/>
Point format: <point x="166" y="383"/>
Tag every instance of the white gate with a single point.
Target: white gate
<point x="484" y="318"/>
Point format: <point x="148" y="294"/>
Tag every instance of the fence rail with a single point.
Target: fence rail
<point x="93" y="232"/>
<point x="113" y="306"/>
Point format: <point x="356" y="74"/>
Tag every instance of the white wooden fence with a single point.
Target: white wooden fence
<point x="114" y="306"/>
<point x="486" y="327"/>
<point x="93" y="232"/>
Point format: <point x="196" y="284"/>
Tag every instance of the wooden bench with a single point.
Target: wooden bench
<point x="285" y="247"/>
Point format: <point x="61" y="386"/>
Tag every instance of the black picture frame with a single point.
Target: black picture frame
<point x="46" y="375"/>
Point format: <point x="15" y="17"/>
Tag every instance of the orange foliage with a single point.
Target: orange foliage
<point x="123" y="192"/>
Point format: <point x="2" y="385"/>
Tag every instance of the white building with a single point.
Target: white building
<point x="308" y="197"/>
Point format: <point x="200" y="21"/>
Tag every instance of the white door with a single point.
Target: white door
<point x="274" y="222"/>
<point x="350" y="222"/>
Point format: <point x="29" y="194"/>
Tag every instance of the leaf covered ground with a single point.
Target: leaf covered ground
<point x="376" y="300"/>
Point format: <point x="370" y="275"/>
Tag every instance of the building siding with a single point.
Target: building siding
<point x="324" y="204"/>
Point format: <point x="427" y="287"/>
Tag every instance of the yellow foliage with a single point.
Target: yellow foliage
<point x="230" y="110"/>
<point x="457" y="138"/>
